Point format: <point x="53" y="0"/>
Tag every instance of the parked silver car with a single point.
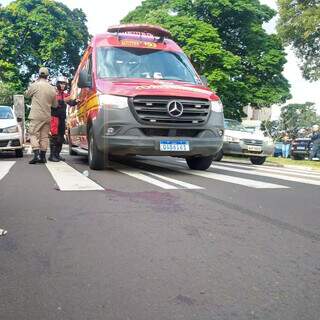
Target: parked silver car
<point x="238" y="140"/>
<point x="10" y="132"/>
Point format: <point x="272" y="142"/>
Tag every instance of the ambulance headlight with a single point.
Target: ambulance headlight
<point x="217" y="106"/>
<point x="113" y="102"/>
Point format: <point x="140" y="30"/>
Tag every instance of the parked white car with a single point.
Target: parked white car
<point x="10" y="132"/>
<point x="240" y="141"/>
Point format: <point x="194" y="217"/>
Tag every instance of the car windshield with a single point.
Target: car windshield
<point x="144" y="63"/>
<point x="235" y="125"/>
<point x="6" y="113"/>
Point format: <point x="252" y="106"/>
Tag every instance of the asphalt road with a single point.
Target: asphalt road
<point x="151" y="240"/>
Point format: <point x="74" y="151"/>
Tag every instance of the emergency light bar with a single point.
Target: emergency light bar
<point x="141" y="29"/>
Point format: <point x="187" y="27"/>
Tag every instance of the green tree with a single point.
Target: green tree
<point x="39" y="32"/>
<point x="6" y="94"/>
<point x="226" y="42"/>
<point x="299" y="26"/>
<point x="271" y="127"/>
<point x="297" y="116"/>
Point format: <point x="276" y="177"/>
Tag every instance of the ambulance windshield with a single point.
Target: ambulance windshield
<point x="144" y="63"/>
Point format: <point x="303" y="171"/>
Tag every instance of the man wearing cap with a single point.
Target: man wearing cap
<point x="315" y="139"/>
<point x="43" y="98"/>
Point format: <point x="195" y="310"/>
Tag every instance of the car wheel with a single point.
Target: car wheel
<point x="96" y="158"/>
<point x="19" y="153"/>
<point x="218" y="156"/>
<point x="258" y="160"/>
<point x="199" y="163"/>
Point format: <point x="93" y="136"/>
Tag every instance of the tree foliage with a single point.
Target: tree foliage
<point x="6" y="94"/>
<point x="226" y="42"/>
<point x="299" y="25"/>
<point x="297" y="116"/>
<point x="37" y="33"/>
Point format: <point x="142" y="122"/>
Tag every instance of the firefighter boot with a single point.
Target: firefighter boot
<point x="59" y="148"/>
<point x="43" y="157"/>
<point x="53" y="154"/>
<point x="36" y="157"/>
<point x="53" y="146"/>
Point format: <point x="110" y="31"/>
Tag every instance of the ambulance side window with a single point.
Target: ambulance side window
<point x="89" y="67"/>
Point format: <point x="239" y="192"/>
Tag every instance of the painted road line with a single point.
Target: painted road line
<point x="235" y="180"/>
<point x="69" y="179"/>
<point x="221" y="177"/>
<point x="5" y="167"/>
<point x="143" y="177"/>
<point x="267" y="168"/>
<point x="269" y="174"/>
<point x="185" y="185"/>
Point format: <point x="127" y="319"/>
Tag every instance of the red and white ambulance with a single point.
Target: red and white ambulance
<point x="139" y="95"/>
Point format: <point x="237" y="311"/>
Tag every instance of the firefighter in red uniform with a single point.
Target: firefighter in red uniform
<point x="58" y="120"/>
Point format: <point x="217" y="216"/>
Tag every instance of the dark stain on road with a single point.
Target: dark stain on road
<point x="180" y="299"/>
<point x="160" y="201"/>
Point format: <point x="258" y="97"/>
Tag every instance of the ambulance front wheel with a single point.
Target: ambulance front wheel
<point x="96" y="158"/>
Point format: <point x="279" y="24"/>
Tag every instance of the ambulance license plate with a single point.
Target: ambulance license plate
<point x="175" y="145"/>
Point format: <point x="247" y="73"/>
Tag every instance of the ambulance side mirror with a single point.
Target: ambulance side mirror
<point x="84" y="80"/>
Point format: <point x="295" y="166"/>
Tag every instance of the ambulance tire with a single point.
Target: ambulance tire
<point x="199" y="163"/>
<point x="96" y="158"/>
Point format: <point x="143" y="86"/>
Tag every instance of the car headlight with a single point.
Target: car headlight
<point x="111" y="101"/>
<point x="216" y="106"/>
<point x="12" y="129"/>
<point x="231" y="139"/>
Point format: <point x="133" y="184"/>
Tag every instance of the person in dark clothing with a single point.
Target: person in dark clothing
<point x="315" y="139"/>
<point x="58" y="120"/>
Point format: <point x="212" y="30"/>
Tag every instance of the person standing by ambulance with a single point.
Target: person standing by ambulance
<point x="43" y="98"/>
<point x="58" y="119"/>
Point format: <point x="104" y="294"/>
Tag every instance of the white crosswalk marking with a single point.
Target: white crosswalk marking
<point x="269" y="174"/>
<point x="177" y="182"/>
<point x="69" y="179"/>
<point x="236" y="180"/>
<point x="298" y="172"/>
<point x="5" y="167"/>
<point x="140" y="176"/>
<point x="222" y="177"/>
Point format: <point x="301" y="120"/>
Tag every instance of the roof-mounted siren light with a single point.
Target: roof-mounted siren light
<point x="142" y="30"/>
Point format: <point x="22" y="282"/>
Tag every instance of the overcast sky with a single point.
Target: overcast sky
<point x="101" y="14"/>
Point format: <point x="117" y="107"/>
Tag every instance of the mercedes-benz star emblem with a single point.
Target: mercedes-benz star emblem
<point x="175" y="109"/>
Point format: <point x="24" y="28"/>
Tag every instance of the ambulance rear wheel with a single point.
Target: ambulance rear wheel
<point x="95" y="156"/>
